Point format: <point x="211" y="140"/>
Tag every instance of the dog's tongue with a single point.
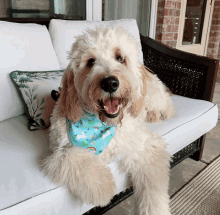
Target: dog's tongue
<point x="111" y="106"/>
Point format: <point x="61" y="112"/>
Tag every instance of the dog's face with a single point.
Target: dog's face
<point x="104" y="76"/>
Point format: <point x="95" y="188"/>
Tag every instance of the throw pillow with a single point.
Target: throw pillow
<point x="35" y="89"/>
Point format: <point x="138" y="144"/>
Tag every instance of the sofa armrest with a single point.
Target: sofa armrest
<point x="183" y="73"/>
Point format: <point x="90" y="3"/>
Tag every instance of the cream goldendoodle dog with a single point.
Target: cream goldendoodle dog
<point x="106" y="98"/>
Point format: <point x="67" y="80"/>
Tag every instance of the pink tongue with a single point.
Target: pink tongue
<point x="112" y="106"/>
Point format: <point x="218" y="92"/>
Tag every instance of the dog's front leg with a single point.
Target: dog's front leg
<point x="157" y="101"/>
<point x="83" y="173"/>
<point x="149" y="169"/>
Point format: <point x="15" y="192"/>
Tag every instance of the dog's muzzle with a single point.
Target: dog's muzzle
<point x="111" y="107"/>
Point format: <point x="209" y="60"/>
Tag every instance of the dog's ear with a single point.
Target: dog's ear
<point x="68" y="102"/>
<point x="137" y="105"/>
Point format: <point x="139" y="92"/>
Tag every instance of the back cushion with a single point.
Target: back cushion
<point x="25" y="47"/>
<point x="63" y="34"/>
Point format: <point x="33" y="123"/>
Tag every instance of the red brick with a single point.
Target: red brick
<point x="167" y="36"/>
<point x="172" y="28"/>
<point x="178" y="5"/>
<point x="160" y="20"/>
<point x="161" y="4"/>
<point x="171" y="44"/>
<point x="217" y="3"/>
<point x="159" y="28"/>
<point x="170" y="5"/>
<point x="214" y="34"/>
<point x="158" y="36"/>
<point x="213" y="39"/>
<point x="177" y="20"/>
<point x="216" y="16"/>
<point x="176" y="28"/>
<point x="213" y="45"/>
<point x="164" y="28"/>
<point x="210" y="55"/>
<point x="216" y="22"/>
<point x="172" y="20"/>
<point x="172" y="12"/>
<point x="215" y="28"/>
<point x="160" y="12"/>
<point x="216" y="9"/>
<point x="166" y="12"/>
<point x="213" y="52"/>
<point x="177" y="13"/>
<point x="164" y="42"/>
<point x="175" y="36"/>
<point x="167" y="20"/>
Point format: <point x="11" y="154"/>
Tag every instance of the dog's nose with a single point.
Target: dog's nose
<point x="109" y="84"/>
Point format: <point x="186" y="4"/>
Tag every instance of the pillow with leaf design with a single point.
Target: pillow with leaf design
<point x="35" y="88"/>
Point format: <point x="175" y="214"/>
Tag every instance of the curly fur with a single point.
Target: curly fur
<point x="142" y="96"/>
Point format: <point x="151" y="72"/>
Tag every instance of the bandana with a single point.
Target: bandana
<point x="90" y="133"/>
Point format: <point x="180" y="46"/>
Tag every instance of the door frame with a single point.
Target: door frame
<point x="153" y="19"/>
<point x="94" y="10"/>
<point x="200" y="49"/>
<point x="94" y="13"/>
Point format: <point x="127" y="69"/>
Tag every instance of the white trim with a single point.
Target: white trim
<point x="153" y="19"/>
<point x="97" y="10"/>
<point x="89" y="10"/>
<point x="209" y="27"/>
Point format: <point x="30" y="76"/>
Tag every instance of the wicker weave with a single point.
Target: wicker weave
<point x="181" y="77"/>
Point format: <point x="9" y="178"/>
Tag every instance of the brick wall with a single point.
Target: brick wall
<point x="168" y="22"/>
<point x="213" y="50"/>
<point x="168" y="14"/>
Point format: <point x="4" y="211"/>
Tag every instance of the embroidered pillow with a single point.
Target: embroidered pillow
<point x="35" y="88"/>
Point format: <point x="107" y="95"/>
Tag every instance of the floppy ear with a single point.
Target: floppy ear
<point x="137" y="105"/>
<point x="68" y="102"/>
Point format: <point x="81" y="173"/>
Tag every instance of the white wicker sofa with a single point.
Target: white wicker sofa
<point x="24" y="189"/>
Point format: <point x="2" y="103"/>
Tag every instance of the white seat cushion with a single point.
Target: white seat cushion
<point x="24" y="47"/>
<point x="23" y="187"/>
<point x="63" y="34"/>
<point x="192" y="119"/>
<point x="25" y="190"/>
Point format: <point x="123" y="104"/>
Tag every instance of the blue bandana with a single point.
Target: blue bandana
<point x="90" y="133"/>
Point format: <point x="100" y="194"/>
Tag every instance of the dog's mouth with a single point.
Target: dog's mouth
<point x="110" y="107"/>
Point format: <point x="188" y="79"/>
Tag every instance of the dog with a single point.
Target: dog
<point x="105" y="80"/>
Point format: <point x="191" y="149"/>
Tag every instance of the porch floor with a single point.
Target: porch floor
<point x="186" y="170"/>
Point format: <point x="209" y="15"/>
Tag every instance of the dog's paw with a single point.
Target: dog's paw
<point x="159" y="116"/>
<point x="155" y="117"/>
<point x="100" y="186"/>
<point x="83" y="173"/>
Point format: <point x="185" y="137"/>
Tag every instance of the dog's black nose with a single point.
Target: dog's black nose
<point x="109" y="84"/>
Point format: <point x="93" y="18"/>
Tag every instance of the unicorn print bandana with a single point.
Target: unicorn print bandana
<point x="90" y="133"/>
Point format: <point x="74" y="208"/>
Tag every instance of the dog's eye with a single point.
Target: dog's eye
<point x="119" y="59"/>
<point x="91" y="62"/>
